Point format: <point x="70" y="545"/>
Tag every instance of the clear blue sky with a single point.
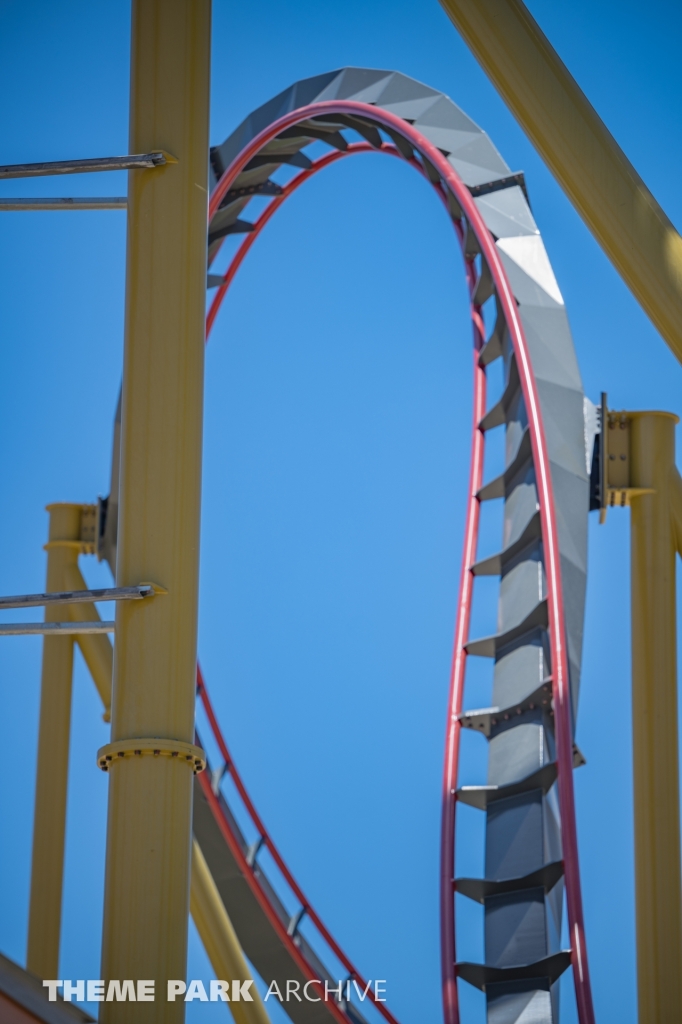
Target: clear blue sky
<point x="337" y="417"/>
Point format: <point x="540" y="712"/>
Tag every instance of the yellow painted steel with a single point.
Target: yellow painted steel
<point x="586" y="160"/>
<point x="47" y="868"/>
<point x="210" y="917"/>
<point x="146" y="904"/>
<point x="676" y="507"/>
<point x="220" y="939"/>
<point x="95" y="647"/>
<point x="655" y="519"/>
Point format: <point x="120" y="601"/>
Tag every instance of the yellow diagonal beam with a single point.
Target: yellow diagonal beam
<point x="220" y="939"/>
<point x="96" y="648"/>
<point x="581" y="153"/>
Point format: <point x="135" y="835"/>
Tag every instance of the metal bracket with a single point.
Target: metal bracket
<point x="217" y="776"/>
<point x="481" y="796"/>
<point x="155" y="746"/>
<point x="614" y="461"/>
<point x="294" y="922"/>
<point x="484" y="720"/>
<point x="253" y="851"/>
<point x="498" y="184"/>
<point x="482" y="975"/>
<point x="480" y="889"/>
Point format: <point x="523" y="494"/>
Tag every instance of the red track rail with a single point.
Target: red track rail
<point x="452" y="736"/>
<point x="560" y="679"/>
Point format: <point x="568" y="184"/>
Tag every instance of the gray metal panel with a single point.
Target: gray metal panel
<point x="507" y="212"/>
<point x="517" y="749"/>
<point x="521" y="504"/>
<point x="522" y="587"/>
<point x="515" y="928"/>
<point x="526" y="535"/>
<point x="514" y="837"/>
<point x="520" y="668"/>
<point x="518" y="1004"/>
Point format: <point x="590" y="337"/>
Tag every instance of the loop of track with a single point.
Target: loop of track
<point x="427" y="158"/>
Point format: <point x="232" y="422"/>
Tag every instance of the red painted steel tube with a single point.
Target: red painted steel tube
<point x="544" y="483"/>
<point x="459" y="656"/>
<point x="234" y="265"/>
<point x="271" y="209"/>
<point x="266" y="215"/>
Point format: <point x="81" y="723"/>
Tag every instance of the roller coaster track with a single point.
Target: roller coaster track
<point x="541" y="408"/>
<point x="293" y="952"/>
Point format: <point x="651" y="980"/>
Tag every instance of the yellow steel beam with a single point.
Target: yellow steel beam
<point x="95" y="647"/>
<point x="586" y="160"/>
<point x="146" y="903"/>
<point x="213" y="924"/>
<point x="220" y="939"/>
<point x="676" y="507"/>
<point x="654" y="717"/>
<point x="47" y="868"/>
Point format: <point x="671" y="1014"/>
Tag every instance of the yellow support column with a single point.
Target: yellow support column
<point x="206" y="906"/>
<point x="654" y="713"/>
<point x="47" y="868"/>
<point x="581" y="153"/>
<point x="146" y="903"/>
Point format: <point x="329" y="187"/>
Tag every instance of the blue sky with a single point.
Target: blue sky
<point x="336" y="448"/>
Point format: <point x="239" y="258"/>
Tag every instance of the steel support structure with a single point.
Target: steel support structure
<point x="581" y="153"/>
<point x="654" y="544"/>
<point x="206" y="907"/>
<point x="636" y="463"/>
<point x="49" y="824"/>
<point x="146" y="903"/>
<point x="66" y="542"/>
